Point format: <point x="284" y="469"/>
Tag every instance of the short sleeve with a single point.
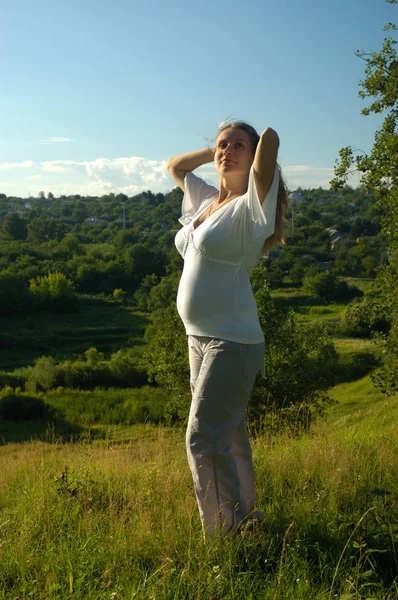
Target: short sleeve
<point x="196" y="193"/>
<point x="263" y="215"/>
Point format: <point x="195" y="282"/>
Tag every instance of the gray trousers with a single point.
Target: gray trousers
<point x="219" y="453"/>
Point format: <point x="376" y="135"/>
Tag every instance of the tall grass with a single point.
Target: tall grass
<point x="110" y="520"/>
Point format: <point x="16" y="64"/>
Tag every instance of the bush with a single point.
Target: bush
<point x="119" y="295"/>
<point x="93" y="356"/>
<point x="42" y="376"/>
<point x="298" y="357"/>
<point x="112" y="406"/>
<point x="124" y="368"/>
<point x="327" y="287"/>
<point x="53" y="292"/>
<point x="367" y="317"/>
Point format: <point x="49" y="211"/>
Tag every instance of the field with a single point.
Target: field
<point x="117" y="518"/>
<point x="104" y="325"/>
<point x="112" y="515"/>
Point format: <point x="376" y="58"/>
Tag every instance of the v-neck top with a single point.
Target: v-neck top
<point x="215" y="297"/>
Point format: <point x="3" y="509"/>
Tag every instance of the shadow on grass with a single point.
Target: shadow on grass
<point x="25" y="417"/>
<point x="53" y="431"/>
<point x="351" y="367"/>
<point x="290" y="302"/>
<point x="105" y="325"/>
<point x="367" y="551"/>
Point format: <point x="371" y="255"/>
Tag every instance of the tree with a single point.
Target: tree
<point x="327" y="287"/>
<point x="299" y="358"/>
<point x="14" y="227"/>
<point x="44" y="230"/>
<point x="379" y="172"/>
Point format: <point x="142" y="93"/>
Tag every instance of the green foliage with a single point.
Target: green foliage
<point x="367" y="317"/>
<point x="326" y="286"/>
<point x="44" y="230"/>
<point x="93" y="356"/>
<point x="86" y="408"/>
<point x="112" y="406"/>
<point x="124" y="366"/>
<point x="298" y="356"/>
<point x="119" y="295"/>
<point x="166" y="359"/>
<point x="379" y="171"/>
<point x="43" y="375"/>
<point x="162" y="295"/>
<point x="53" y="292"/>
<point x="121" y="370"/>
<point x="14" y="227"/>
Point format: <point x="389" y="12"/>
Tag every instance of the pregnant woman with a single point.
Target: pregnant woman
<point x="224" y="234"/>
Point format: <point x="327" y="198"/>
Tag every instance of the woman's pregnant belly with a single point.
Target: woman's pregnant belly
<point x="214" y="294"/>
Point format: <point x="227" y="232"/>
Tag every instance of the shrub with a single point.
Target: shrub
<point x="298" y="357"/>
<point x="43" y="375"/>
<point x="112" y="406"/>
<point x="93" y="356"/>
<point x="53" y="292"/>
<point x="119" y="295"/>
<point x="327" y="287"/>
<point x="367" y="317"/>
<point x="124" y="368"/>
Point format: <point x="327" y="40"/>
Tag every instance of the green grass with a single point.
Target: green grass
<point x="360" y="404"/>
<point x="367" y="285"/>
<point x="116" y="518"/>
<point x="112" y="515"/>
<point x="354" y="345"/>
<point x="104" y="325"/>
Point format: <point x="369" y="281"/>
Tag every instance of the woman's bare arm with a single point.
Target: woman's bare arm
<point x="265" y="161"/>
<point x="179" y="166"/>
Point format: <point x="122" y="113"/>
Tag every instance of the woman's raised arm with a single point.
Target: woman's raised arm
<point x="265" y="161"/>
<point x="179" y="166"/>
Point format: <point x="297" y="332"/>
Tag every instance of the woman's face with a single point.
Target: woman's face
<point x="234" y="152"/>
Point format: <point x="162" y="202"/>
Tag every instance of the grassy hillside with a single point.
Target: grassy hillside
<point x="105" y="325"/>
<point x="112" y="514"/>
<point x="117" y="518"/>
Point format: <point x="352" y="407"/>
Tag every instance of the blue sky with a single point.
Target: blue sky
<point x="96" y="95"/>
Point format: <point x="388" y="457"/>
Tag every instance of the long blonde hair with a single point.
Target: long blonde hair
<point x="277" y="238"/>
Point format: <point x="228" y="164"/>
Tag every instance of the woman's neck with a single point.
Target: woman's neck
<point x="231" y="187"/>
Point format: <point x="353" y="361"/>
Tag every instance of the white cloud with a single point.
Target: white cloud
<point x="4" y="184"/>
<point x="53" y="167"/>
<point x="306" y="176"/>
<point x="132" y="175"/>
<point x="55" y="140"/>
<point x="26" y="164"/>
<point x="91" y="188"/>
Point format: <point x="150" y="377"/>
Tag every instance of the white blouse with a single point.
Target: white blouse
<point x="215" y="297"/>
